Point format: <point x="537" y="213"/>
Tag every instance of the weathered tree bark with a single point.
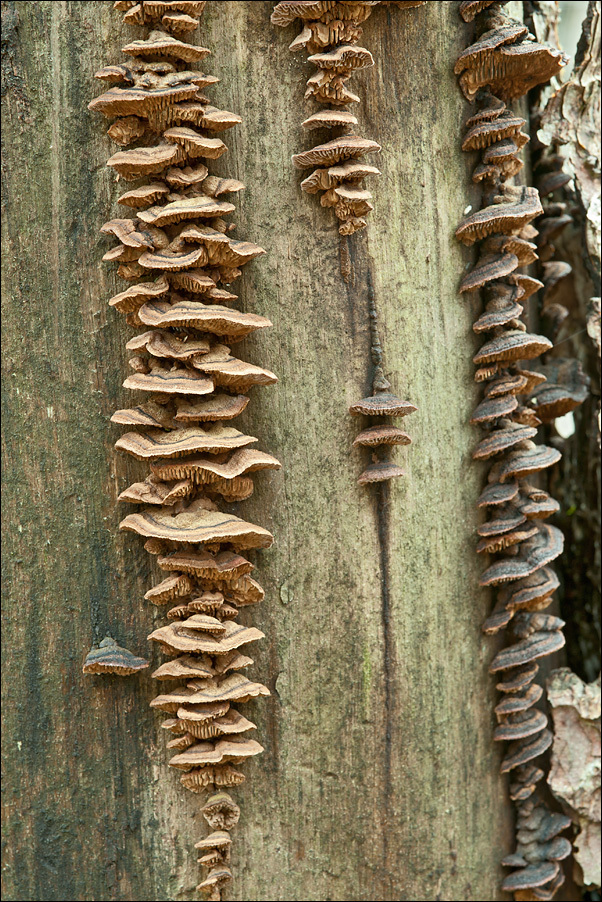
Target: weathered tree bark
<point x="380" y="777"/>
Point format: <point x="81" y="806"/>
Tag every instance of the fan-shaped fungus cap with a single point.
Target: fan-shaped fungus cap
<point x="532" y="876"/>
<point x="471" y="8"/>
<point x="220" y="811"/>
<point x="177" y="381"/>
<point x="382" y="404"/>
<point x="187" y="666"/>
<point x="537" y="645"/>
<point x="109" y="657"/>
<point x="160" y="44"/>
<point x="330" y="119"/>
<point x="515" y="209"/>
<point x="133" y="298"/>
<point x="206" y="471"/>
<point x="497" y="493"/>
<point x="527" y="624"/>
<point x="380" y="471"/>
<point x="525" y="750"/>
<point x="343" y="58"/>
<point x="205" y="317"/>
<point x="530" y="459"/>
<point x="225" y="565"/>
<point x="176" y="637"/>
<point x="531" y="593"/>
<point x="506" y="65"/>
<point x="504" y="518"/>
<point x="485" y="132"/>
<point x="346" y="147"/>
<point x="567" y="387"/>
<point x="501" y="439"/>
<point x="519" y="725"/>
<point x="519" y="701"/>
<point x="382" y="435"/>
<point x="219" y="406"/>
<point x="496" y="543"/>
<point x="220" y="839"/>
<point x="195" y="525"/>
<point x="493" y="408"/>
<point x="512" y="345"/>
<point x="153" y="444"/>
<point x="488" y="269"/>
<point x="535" y="553"/>
<point x="221" y="751"/>
<point x="138" y="102"/>
<point x="215" y="881"/>
<point x="537" y="504"/>
<point x="517" y="679"/>
<point x="141" y="161"/>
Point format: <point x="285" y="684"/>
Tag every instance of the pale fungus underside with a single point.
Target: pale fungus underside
<point x="504" y="63"/>
<point x="177" y="252"/>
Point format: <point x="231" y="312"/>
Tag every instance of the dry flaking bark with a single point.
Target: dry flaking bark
<point x="382" y="774"/>
<point x="567" y="120"/>
<point x="574" y="775"/>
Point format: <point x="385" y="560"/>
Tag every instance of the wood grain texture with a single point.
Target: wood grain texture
<point x="379" y="779"/>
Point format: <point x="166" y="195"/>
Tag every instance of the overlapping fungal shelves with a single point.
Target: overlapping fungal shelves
<point x="504" y="63"/>
<point x="330" y="33"/>
<point x="176" y="250"/>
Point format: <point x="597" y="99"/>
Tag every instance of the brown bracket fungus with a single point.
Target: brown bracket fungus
<point x="177" y="252"/>
<point x="330" y="34"/>
<point x="382" y="403"/>
<point x="503" y="63"/>
<point x="108" y="657"/>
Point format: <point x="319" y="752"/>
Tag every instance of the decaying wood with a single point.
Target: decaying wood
<point x="574" y="775"/>
<point x="379" y="779"/>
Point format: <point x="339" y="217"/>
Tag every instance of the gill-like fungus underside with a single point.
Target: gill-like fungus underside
<point x="176" y="251"/>
<point x="504" y="63"/>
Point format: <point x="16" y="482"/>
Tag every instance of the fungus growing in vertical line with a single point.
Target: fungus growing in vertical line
<point x="382" y="403"/>
<point x="330" y="34"/>
<point x="177" y="252"/>
<point x="503" y="63"/>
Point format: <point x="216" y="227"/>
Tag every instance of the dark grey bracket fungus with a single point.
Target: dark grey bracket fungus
<point x="108" y="657"/>
<point x="504" y="63"/>
<point x="176" y="252"/>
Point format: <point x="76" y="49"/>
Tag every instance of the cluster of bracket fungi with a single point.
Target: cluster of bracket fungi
<point x="177" y="252"/>
<point x="504" y="63"/>
<point x="330" y="34"/>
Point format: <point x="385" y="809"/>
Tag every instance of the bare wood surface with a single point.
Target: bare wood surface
<point x="380" y="775"/>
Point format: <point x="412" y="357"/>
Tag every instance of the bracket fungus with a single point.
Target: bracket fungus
<point x="504" y="63"/>
<point x="381" y="403"/>
<point x="108" y="657"/>
<point x="330" y="34"/>
<point x="177" y="251"/>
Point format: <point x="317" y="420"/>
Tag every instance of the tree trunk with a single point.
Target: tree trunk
<point x="380" y="777"/>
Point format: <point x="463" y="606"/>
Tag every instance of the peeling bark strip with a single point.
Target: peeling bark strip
<point x="178" y="245"/>
<point x="504" y="63"/>
<point x="331" y="30"/>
